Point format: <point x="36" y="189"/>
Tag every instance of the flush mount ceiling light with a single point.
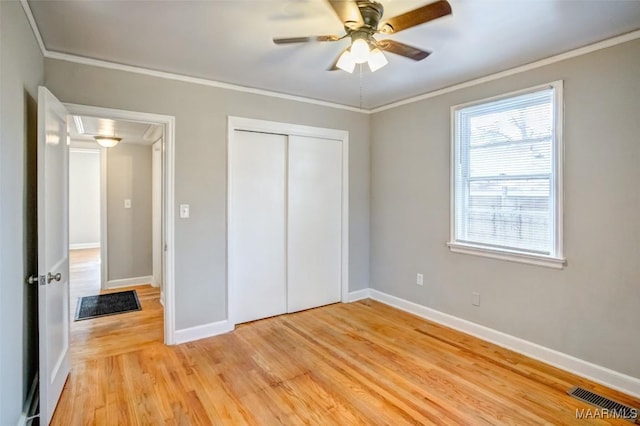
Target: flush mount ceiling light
<point x="107" y="141"/>
<point x="362" y="19"/>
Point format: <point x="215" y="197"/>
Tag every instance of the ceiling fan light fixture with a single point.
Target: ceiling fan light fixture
<point x="360" y="51"/>
<point x="346" y="62"/>
<point x="377" y="60"/>
<point x="107" y="141"/>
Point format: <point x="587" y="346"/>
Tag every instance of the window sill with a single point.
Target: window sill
<point x="531" y="259"/>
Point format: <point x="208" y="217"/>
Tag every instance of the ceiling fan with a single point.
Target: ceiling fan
<point x="362" y="19"/>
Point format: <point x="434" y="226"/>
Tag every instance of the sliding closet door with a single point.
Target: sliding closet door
<point x="315" y="222"/>
<point x="257" y="225"/>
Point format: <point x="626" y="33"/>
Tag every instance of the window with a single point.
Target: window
<point x="507" y="177"/>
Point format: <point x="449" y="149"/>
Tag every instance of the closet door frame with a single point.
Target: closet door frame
<point x="252" y="125"/>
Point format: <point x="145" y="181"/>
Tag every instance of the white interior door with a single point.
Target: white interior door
<point x="257" y="225"/>
<point x="53" y="251"/>
<point x="314" y="222"/>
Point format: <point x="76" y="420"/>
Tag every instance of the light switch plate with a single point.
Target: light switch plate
<point x="184" y="211"/>
<point x="127" y="204"/>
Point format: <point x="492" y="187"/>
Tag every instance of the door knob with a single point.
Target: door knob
<point x="51" y="277"/>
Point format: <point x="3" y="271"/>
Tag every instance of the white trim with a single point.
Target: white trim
<point x="169" y="190"/>
<point x="34" y="27"/>
<point x="79" y="125"/>
<point x="280" y="128"/>
<point x="195" y="80"/>
<point x="168" y="75"/>
<point x="605" y="376"/>
<point x="354" y="296"/>
<point x="156" y="213"/>
<point x="82" y="246"/>
<point x="517" y="70"/>
<point x="29" y="403"/>
<point x="249" y="124"/>
<point x="557" y="260"/>
<point x="531" y="259"/>
<point x="128" y="282"/>
<point x="202" y="331"/>
<point x="153" y="133"/>
<point x="345" y="215"/>
<point x="633" y="35"/>
<point x="558" y="168"/>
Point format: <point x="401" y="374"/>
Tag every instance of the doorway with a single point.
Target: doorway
<point x="136" y="223"/>
<point x="85" y="220"/>
<point x="115" y="206"/>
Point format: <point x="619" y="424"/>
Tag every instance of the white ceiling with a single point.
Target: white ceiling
<point x="230" y="41"/>
<point x="130" y="131"/>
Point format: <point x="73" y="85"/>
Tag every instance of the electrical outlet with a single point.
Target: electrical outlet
<point x="475" y="299"/>
<point x="420" y="279"/>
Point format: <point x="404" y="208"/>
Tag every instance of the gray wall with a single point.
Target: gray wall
<point x="84" y="197"/>
<point x="128" y="230"/>
<point x="201" y="125"/>
<point x="589" y="309"/>
<point x="21" y="71"/>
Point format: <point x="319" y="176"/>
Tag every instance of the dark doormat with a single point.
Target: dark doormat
<point x="107" y="304"/>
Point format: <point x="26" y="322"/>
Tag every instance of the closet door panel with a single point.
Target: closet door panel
<point x="257" y="225"/>
<point x="314" y="222"/>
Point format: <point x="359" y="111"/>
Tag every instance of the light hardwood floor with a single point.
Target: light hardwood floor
<point x="358" y="363"/>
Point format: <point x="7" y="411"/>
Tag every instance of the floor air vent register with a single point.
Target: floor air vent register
<point x="606" y="407"/>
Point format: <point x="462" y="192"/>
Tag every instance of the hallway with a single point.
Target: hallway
<point x="115" y="334"/>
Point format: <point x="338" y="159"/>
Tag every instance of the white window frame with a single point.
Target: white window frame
<point x="556" y="260"/>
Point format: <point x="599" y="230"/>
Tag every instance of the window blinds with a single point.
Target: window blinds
<point x="504" y="174"/>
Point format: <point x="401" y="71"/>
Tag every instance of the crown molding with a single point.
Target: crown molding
<point x="34" y="26"/>
<point x="512" y="71"/>
<point x="171" y="76"/>
<point x="194" y="80"/>
<point x="214" y="83"/>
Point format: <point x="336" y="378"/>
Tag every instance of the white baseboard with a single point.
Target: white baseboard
<point x="82" y="246"/>
<point x="202" y="331"/>
<point x="128" y="282"/>
<point x="28" y="404"/>
<point x="358" y="295"/>
<point x="605" y="376"/>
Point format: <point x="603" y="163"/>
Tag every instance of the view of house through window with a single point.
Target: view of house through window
<point x="505" y="173"/>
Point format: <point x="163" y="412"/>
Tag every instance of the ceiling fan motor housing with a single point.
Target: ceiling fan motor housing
<point x="371" y="12"/>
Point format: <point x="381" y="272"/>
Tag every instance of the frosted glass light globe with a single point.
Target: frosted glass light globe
<point x="360" y="51"/>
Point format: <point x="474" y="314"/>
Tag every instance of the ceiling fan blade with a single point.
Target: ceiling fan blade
<point x="416" y="17"/>
<point x="403" y="49"/>
<point x="291" y="40"/>
<point x="347" y="11"/>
